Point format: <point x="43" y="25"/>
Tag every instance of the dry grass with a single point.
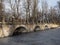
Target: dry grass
<point x="42" y="26"/>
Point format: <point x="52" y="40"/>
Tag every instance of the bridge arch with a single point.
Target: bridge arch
<point x="19" y="30"/>
<point x="37" y="28"/>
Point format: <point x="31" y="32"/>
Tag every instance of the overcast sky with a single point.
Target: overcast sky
<point x="50" y="3"/>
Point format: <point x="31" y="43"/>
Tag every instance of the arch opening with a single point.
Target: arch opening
<point x="19" y="31"/>
<point x="37" y="28"/>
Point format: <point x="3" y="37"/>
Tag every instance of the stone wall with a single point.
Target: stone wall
<point x="8" y="30"/>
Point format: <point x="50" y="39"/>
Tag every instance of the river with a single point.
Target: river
<point x="47" y="37"/>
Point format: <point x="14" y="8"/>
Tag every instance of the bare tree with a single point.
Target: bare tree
<point x="34" y="10"/>
<point x="2" y="18"/>
<point x="59" y="4"/>
<point x="44" y="11"/>
<point x="28" y="4"/>
<point x="53" y="16"/>
<point x="59" y="11"/>
<point x="59" y="7"/>
<point x="17" y="3"/>
<point x="14" y="5"/>
<point x="31" y="8"/>
<point x="14" y="9"/>
<point x="1" y="7"/>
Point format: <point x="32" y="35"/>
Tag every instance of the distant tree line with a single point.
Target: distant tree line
<point x="28" y="12"/>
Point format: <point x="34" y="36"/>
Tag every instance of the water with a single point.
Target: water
<point x="48" y="37"/>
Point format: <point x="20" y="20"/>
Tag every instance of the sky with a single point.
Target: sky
<point x="51" y="3"/>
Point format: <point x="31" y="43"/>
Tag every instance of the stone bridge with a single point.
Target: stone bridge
<point x="8" y="30"/>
